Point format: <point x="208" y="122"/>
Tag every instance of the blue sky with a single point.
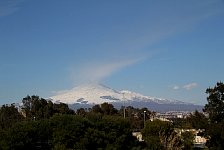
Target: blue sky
<point x="169" y="49"/>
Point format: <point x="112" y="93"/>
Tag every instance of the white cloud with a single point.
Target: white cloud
<point x="186" y="87"/>
<point x="176" y="87"/>
<point x="190" y="86"/>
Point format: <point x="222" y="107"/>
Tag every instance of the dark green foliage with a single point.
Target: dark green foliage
<point x="97" y="109"/>
<point x="68" y="129"/>
<point x="70" y="132"/>
<point x="216" y="134"/>
<point x="9" y="115"/>
<point x="27" y="135"/>
<point x="198" y="120"/>
<point x="161" y="135"/>
<point x="3" y="139"/>
<point x="107" y="132"/>
<point x="81" y="112"/>
<point x="215" y="110"/>
<point x="135" y="116"/>
<point x="181" y="123"/>
<point x="35" y="108"/>
<point x="151" y="134"/>
<point x="62" y="108"/>
<point x="108" y="109"/>
<point x="187" y="140"/>
<point x="215" y="106"/>
<point x="54" y="126"/>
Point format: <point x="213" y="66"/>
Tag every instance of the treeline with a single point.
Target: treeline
<point x="41" y="124"/>
<point x="62" y="132"/>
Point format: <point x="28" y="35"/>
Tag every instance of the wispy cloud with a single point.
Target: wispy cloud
<point x="97" y="71"/>
<point x="176" y="87"/>
<point x="8" y="7"/>
<point x="190" y="86"/>
<point x="126" y="41"/>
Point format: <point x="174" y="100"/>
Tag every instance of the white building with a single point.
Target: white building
<point x="199" y="142"/>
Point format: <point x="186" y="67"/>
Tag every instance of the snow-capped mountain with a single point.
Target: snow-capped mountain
<point x="88" y="94"/>
<point x="91" y="94"/>
<point x="98" y="93"/>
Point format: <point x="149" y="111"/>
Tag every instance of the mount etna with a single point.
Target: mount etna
<point x="88" y="95"/>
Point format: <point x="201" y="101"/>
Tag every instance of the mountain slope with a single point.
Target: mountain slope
<point x="91" y="94"/>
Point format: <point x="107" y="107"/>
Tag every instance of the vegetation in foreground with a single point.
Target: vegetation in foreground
<point x="40" y="124"/>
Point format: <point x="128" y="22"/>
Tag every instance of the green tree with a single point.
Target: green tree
<point x="215" y="110"/>
<point x="215" y="106"/>
<point x="198" y="120"/>
<point x="108" y="109"/>
<point x="169" y="138"/>
<point x="3" y="140"/>
<point x="216" y="134"/>
<point x="27" y="104"/>
<point x="62" y="108"/>
<point x="187" y="140"/>
<point x="55" y="127"/>
<point x="9" y="115"/>
<point x="136" y="116"/>
<point x="96" y="109"/>
<point x="160" y="135"/>
<point x="36" y="108"/>
<point x="28" y="135"/>
<point x="81" y="112"/>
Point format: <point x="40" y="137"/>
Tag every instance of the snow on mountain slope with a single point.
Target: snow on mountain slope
<point x="97" y="94"/>
<point x="91" y="94"/>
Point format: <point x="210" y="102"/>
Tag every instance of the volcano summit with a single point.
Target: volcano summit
<point x="91" y="94"/>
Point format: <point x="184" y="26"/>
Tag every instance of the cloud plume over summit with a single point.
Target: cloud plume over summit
<point x="98" y="71"/>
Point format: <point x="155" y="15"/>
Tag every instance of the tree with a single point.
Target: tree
<point x="187" y="140"/>
<point x="216" y="134"/>
<point x="169" y="138"/>
<point x="108" y="109"/>
<point x="215" y="110"/>
<point x="27" y="104"/>
<point x="81" y="111"/>
<point x="56" y="127"/>
<point x="215" y="106"/>
<point x="27" y="135"/>
<point x="62" y="108"/>
<point x="198" y="120"/>
<point x="160" y="135"/>
<point x="36" y="108"/>
<point x="96" y="109"/>
<point x="9" y="115"/>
